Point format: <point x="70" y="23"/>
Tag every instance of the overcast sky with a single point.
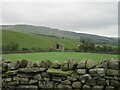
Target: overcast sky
<point x="99" y="18"/>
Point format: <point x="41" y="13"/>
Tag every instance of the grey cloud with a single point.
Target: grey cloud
<point x="89" y="17"/>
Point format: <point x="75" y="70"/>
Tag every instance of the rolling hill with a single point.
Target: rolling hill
<point x="29" y="40"/>
<point x="56" y="33"/>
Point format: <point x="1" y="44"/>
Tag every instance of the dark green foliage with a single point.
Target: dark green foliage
<point x="116" y="49"/>
<point x="12" y="46"/>
<point x="33" y="48"/>
<point x="24" y="49"/>
<point x="87" y="47"/>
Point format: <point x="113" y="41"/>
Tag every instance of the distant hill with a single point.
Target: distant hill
<point x="56" y="33"/>
<point x="29" y="40"/>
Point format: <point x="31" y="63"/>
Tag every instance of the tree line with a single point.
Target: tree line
<point x="12" y="46"/>
<point x="83" y="47"/>
<point x="91" y="47"/>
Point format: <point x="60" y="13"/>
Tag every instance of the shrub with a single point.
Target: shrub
<point x="24" y="48"/>
<point x="12" y="46"/>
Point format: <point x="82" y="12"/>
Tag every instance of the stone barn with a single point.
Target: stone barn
<point x="59" y="47"/>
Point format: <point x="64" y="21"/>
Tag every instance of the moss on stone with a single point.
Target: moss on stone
<point x="11" y="73"/>
<point x="59" y="72"/>
<point x="112" y="72"/>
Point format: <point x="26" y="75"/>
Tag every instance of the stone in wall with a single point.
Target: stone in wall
<point x="56" y="64"/>
<point x="31" y="70"/>
<point x="90" y="64"/>
<point x="23" y="63"/>
<point x="77" y="84"/>
<point x="97" y="72"/>
<point x="82" y="64"/>
<point x="65" y="66"/>
<point x="81" y="71"/>
<point x="113" y="64"/>
<point x="72" y="64"/>
<point x="103" y="64"/>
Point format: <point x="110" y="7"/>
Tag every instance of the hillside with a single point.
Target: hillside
<point x="29" y="41"/>
<point x="56" y="33"/>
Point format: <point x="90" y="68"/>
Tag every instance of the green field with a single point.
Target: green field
<point x="60" y="56"/>
<point x="30" y="41"/>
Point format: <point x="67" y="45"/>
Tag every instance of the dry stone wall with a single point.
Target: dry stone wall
<point x="71" y="75"/>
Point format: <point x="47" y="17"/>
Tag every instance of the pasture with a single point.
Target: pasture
<point x="25" y="40"/>
<point x="59" y="56"/>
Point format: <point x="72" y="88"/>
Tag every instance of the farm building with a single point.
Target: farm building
<point x="59" y="47"/>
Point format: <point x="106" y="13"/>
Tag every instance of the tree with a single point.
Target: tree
<point x="87" y="47"/>
<point x="91" y="46"/>
<point x="5" y="48"/>
<point x="12" y="46"/>
<point x="104" y="48"/>
<point x="98" y="48"/>
<point x="24" y="49"/>
<point x="82" y="47"/>
<point x="33" y="48"/>
<point x="116" y="50"/>
<point x="109" y="49"/>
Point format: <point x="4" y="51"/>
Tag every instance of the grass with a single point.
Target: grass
<point x="29" y="41"/>
<point x="60" y="56"/>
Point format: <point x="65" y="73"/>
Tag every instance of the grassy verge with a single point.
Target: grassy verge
<point x="60" y="56"/>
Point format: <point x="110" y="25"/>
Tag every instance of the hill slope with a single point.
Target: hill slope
<point x="51" y="32"/>
<point x="29" y="40"/>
